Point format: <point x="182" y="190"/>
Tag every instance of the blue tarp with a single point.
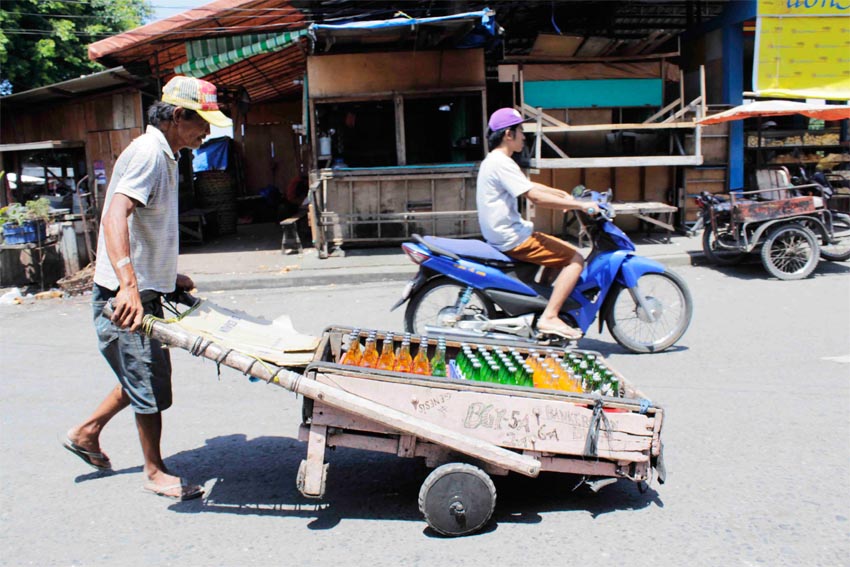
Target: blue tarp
<point x="487" y="24"/>
<point x="212" y="156"/>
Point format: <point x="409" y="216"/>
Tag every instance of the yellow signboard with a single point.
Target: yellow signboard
<point x="803" y="49"/>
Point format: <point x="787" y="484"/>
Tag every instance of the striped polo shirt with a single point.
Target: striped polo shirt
<point x="147" y="173"/>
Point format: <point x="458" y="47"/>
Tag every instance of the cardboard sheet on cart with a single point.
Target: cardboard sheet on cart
<point x="275" y="341"/>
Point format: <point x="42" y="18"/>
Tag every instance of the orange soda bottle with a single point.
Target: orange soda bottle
<point x="421" y="365"/>
<point x="355" y="352"/>
<point x="370" y="355"/>
<point x="387" y="359"/>
<point x="404" y="362"/>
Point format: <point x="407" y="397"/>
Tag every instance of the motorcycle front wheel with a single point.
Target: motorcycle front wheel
<point x="669" y="304"/>
<point x="436" y="305"/>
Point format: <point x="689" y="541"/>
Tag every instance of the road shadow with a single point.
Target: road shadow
<point x="607" y="348"/>
<point x="257" y="477"/>
<point x="751" y="268"/>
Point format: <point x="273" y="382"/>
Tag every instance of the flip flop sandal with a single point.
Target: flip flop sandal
<point x="89" y="457"/>
<point x="570" y="335"/>
<point x="187" y="492"/>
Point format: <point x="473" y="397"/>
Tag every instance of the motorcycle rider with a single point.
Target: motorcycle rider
<point x="500" y="183"/>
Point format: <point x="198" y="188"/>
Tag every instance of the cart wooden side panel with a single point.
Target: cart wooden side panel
<point x="505" y="417"/>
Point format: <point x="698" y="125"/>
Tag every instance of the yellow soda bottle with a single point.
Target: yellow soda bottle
<point x="370" y="355"/>
<point x="420" y="362"/>
<point x="404" y="362"/>
<point x="387" y="359"/>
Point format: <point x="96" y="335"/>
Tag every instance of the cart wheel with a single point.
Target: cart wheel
<point x="791" y="252"/>
<point x="457" y="499"/>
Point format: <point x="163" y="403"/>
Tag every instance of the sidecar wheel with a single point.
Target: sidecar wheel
<point x="669" y="299"/>
<point x="433" y="303"/>
<point x="790" y="252"/>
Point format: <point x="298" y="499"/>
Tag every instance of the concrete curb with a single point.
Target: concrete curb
<point x="359" y="275"/>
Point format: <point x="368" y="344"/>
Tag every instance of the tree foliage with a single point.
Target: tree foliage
<point x="46" y="41"/>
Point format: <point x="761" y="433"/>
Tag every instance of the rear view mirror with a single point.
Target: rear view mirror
<point x="579" y="190"/>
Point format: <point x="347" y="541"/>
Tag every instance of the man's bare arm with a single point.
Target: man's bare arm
<point x="116" y="231"/>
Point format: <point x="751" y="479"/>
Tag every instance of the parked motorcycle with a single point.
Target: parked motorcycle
<point x="717" y="237"/>
<point x="467" y="288"/>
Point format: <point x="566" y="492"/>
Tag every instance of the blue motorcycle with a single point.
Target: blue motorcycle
<point x="468" y="289"/>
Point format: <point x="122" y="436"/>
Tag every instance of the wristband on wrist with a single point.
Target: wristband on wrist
<point x="122" y="262"/>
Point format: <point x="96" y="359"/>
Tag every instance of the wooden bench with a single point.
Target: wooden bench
<point x="643" y="210"/>
<point x="290" y="242"/>
<point x="192" y="223"/>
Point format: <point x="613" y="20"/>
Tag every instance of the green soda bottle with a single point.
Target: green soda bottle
<point x="438" y="363"/>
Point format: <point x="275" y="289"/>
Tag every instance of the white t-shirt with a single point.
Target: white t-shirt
<point x="500" y="182"/>
<point x="146" y="172"/>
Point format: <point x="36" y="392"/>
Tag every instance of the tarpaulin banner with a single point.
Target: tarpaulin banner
<point x="803" y="49"/>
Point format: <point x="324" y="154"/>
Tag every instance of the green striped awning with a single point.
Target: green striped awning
<point x="205" y="57"/>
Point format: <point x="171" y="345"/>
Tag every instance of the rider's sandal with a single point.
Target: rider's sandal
<point x="565" y="332"/>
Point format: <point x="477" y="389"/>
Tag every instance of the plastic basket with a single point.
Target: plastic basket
<point x="30" y="231"/>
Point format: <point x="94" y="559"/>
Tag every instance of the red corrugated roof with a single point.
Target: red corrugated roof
<point x="161" y="45"/>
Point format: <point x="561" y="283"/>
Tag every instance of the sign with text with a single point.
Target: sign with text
<point x="803" y="49"/>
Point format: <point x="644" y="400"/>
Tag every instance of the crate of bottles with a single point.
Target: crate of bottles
<point x="491" y="362"/>
<point x="569" y="403"/>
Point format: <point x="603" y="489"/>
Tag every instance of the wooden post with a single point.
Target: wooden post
<point x="401" y="152"/>
<point x="342" y="400"/>
<point x="484" y="119"/>
<point x="702" y="90"/>
<point x="539" y="140"/>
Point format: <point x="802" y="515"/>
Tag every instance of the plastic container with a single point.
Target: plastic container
<point x="30" y="231"/>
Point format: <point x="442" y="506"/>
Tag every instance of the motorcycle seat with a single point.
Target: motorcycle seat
<point x="472" y="249"/>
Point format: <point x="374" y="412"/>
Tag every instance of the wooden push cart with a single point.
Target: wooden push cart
<point x="467" y="430"/>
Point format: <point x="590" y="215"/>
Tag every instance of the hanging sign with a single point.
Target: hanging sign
<point x="99" y="172"/>
<point x="803" y="49"/>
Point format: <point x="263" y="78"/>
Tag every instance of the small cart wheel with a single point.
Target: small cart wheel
<point x="457" y="499"/>
<point x="791" y="252"/>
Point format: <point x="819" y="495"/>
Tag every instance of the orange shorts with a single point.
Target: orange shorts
<point x="544" y="250"/>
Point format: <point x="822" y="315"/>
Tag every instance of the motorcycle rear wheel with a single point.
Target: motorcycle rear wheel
<point x="840" y="251"/>
<point x="670" y="300"/>
<point x="433" y="303"/>
<point x="717" y="254"/>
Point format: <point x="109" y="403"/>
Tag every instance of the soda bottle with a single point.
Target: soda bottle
<point x="615" y="384"/>
<point x="420" y="362"/>
<point x="476" y="372"/>
<point x="370" y="355"/>
<point x="355" y="352"/>
<point x="404" y="362"/>
<point x="387" y="359"/>
<point x="438" y="363"/>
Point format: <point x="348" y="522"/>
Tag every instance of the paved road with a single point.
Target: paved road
<point x="756" y="436"/>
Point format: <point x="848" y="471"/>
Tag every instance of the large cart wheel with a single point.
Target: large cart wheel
<point x="436" y="305"/>
<point x="840" y="250"/>
<point x="457" y="499"/>
<point x="790" y="252"/>
<point x="717" y="254"/>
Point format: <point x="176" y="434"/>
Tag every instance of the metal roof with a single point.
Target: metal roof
<point x="102" y="80"/>
<point x="161" y="45"/>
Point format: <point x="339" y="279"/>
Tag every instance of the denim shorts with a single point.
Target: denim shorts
<point x="142" y="365"/>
